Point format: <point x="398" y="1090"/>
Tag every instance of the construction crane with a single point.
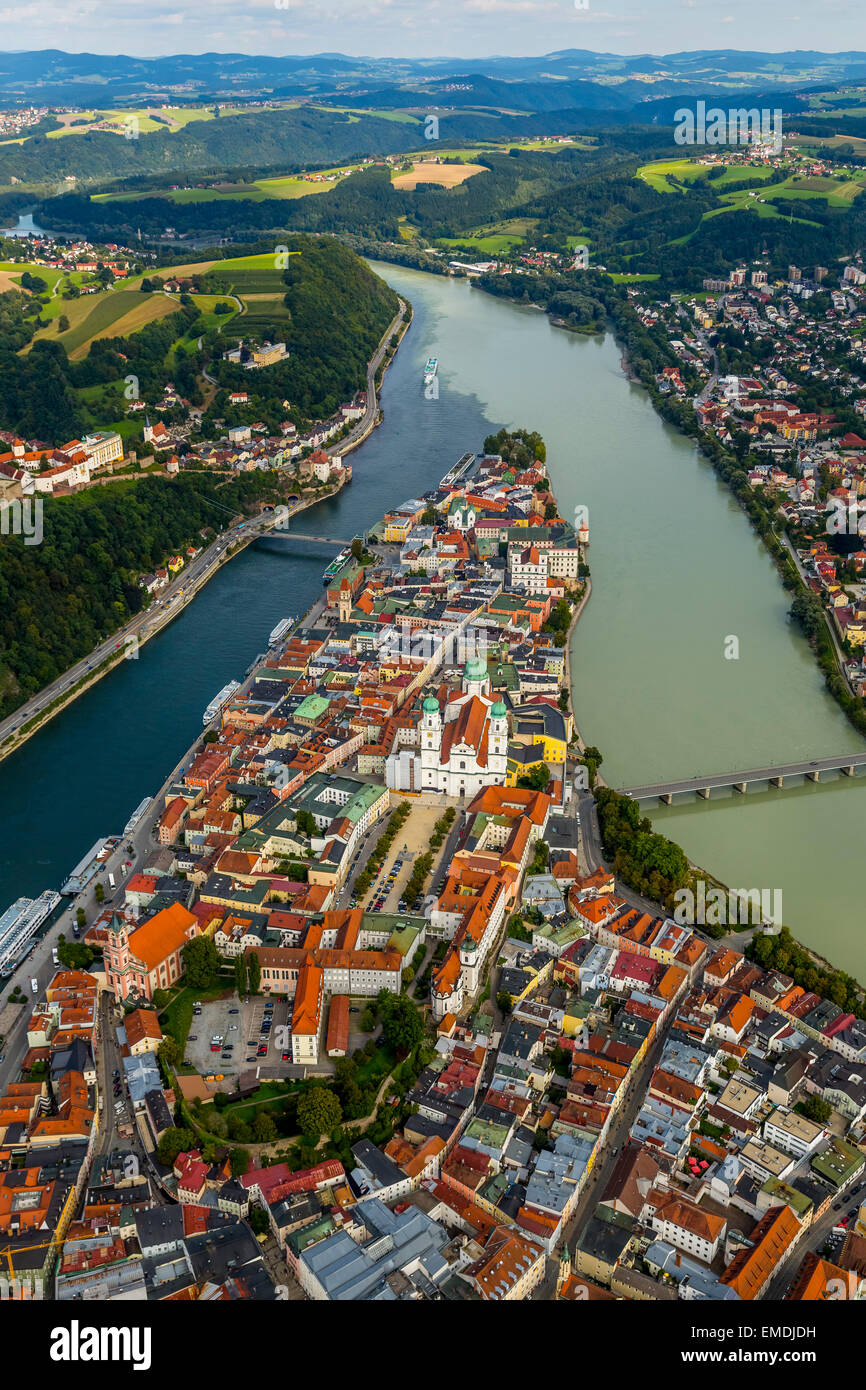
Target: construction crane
<point x="8" y="1251"/>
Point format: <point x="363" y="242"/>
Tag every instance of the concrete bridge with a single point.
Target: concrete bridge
<point x="846" y="764"/>
<point x="276" y="533"/>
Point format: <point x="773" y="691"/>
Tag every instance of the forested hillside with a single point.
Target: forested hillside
<point x="60" y="598"/>
<point x="335" y="312"/>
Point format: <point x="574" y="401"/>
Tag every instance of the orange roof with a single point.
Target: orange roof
<point x="749" y="1271"/>
<point x="338" y="1024"/>
<point x="165" y="933"/>
<point x="306" y="1014"/>
<point x="142" y="1024"/>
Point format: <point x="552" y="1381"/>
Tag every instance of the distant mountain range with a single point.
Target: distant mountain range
<point x="567" y="79"/>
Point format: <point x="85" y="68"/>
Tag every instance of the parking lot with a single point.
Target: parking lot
<point x="216" y="1020"/>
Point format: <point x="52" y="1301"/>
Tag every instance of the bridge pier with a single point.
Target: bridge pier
<point x="777" y="782"/>
<point x="666" y="798"/>
<point x="740" y="787"/>
<point x="703" y="792"/>
<point x="813" y="775"/>
<point x="848" y="770"/>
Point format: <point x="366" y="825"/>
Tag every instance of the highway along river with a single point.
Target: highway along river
<point x="677" y="572"/>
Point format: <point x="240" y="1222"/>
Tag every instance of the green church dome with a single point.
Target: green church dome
<point x="498" y="711"/>
<point x="430" y="705"/>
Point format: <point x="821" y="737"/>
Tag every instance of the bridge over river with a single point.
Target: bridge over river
<point x="847" y="764"/>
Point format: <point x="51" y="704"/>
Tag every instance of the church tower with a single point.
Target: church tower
<point x="497" y="743"/>
<point x="431" y="741"/>
<point x="475" y="678"/>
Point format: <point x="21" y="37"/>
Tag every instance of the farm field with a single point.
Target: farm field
<point x="448" y="175"/>
<point x="282" y="186"/>
<point x="149" y="118"/>
<point x="121" y="312"/>
<point x="689" y="171"/>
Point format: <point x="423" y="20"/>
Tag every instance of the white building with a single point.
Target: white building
<point x="462" y="753"/>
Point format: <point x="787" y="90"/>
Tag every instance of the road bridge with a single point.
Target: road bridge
<point x="846" y="764"/>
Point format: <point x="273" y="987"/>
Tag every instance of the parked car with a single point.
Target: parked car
<point x="261" y="1051"/>
<point x="234" y="1011"/>
<point x="286" y="1056"/>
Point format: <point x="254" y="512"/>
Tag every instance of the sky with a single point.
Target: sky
<point x="412" y="28"/>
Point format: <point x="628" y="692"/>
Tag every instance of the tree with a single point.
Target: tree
<point x="255" y="972"/>
<point x="264" y="1129"/>
<point x="817" y="1109"/>
<point x="80" y="917"/>
<point x="402" y="1025"/>
<point x="99" y="893"/>
<point x="240" y="975"/>
<point x="173" y="1142"/>
<point x="259" y="1222"/>
<point x="368" y="1020"/>
<point x="239" y="1161"/>
<point x="63" y="324"/>
<point x="503" y="1001"/>
<point x="201" y="963"/>
<point x="169" y="1051"/>
<point x="319" y="1111"/>
<point x="537" y="778"/>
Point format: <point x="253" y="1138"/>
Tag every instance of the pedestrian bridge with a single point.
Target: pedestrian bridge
<point x="847" y="764"/>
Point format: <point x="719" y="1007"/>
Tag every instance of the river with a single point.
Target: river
<point x="677" y="573"/>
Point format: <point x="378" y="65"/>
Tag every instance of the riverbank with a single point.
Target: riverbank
<point x="139" y="635"/>
<point x="132" y="637"/>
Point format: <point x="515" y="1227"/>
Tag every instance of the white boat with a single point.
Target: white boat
<point x="136" y="816"/>
<point x="430" y="369"/>
<point x="220" y="701"/>
<point x="18" y="924"/>
<point x="282" y="627"/>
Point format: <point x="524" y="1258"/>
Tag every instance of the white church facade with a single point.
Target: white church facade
<point x="458" y="752"/>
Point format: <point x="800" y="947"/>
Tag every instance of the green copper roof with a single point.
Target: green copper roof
<point x="499" y="711"/>
<point x="476" y="669"/>
<point x="430" y="705"/>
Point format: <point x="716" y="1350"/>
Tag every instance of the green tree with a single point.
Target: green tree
<point x="319" y="1111"/>
<point x="259" y="1222"/>
<point x="402" y="1025"/>
<point x="816" y="1108"/>
<point x="99" y="893"/>
<point x="173" y="1142"/>
<point x="170" y="1052"/>
<point x="264" y="1129"/>
<point x="239" y="1161"/>
<point x="201" y="963"/>
<point x="240" y="975"/>
<point x="255" y="972"/>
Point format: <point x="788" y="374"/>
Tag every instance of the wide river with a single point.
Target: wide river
<point x="677" y="574"/>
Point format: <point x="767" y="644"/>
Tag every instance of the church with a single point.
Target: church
<point x="460" y="751"/>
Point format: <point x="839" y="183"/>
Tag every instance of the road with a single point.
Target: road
<point x="617" y="1136"/>
<point x="840" y="655"/>
<point x="363" y="426"/>
<point x="813" y="1240"/>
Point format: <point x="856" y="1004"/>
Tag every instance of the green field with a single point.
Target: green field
<point x="283" y="186"/>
